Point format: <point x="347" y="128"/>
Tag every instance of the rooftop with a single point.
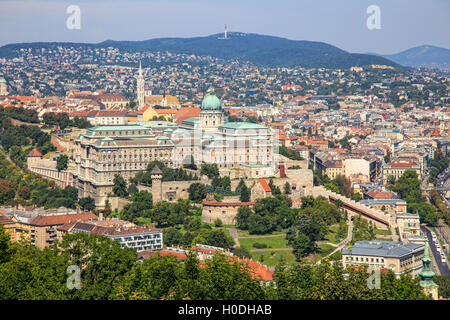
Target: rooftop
<point x="379" y="248"/>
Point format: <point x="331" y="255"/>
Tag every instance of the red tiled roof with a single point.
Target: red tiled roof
<point x="265" y="185"/>
<point x="35" y="153"/>
<point x="185" y="113"/>
<point x="407" y="164"/>
<point x="5" y="220"/>
<point x="224" y="204"/>
<point x="51" y="220"/>
<point x="166" y="111"/>
<point x="178" y="255"/>
<point x="144" y="108"/>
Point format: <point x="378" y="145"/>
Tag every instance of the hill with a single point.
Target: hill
<point x="261" y="50"/>
<point x="423" y="56"/>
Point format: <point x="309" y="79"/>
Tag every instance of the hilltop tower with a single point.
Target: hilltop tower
<point x="426" y="275"/>
<point x="156" y="176"/>
<point x="140" y="88"/>
<point x="225" y="34"/>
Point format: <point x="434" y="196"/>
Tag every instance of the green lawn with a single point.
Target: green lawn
<point x="271" y="242"/>
<point x="144" y="220"/>
<point x="331" y="236"/>
<point x="382" y="232"/>
<point x="274" y="260"/>
<point x="245" y="233"/>
<point x="323" y="251"/>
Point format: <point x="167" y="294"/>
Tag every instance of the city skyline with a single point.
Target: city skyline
<point x="325" y="21"/>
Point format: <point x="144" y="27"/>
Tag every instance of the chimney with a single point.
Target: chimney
<point x="282" y="171"/>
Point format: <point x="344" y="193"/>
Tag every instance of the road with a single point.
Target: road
<point x="443" y="267"/>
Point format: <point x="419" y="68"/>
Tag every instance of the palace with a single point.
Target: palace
<point x="208" y="139"/>
<point x="103" y="151"/>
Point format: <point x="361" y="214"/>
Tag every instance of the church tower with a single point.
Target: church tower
<point x="426" y="275"/>
<point x="140" y="88"/>
<point x="3" y="87"/>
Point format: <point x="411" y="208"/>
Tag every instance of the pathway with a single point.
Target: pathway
<point x="344" y="242"/>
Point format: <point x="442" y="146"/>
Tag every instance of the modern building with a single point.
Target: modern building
<point x="397" y="256"/>
<point x="137" y="237"/>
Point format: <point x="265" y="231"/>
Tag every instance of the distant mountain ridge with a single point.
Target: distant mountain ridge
<point x="426" y="56"/>
<point x="261" y="50"/>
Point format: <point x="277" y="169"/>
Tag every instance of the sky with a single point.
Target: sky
<point x="343" y="23"/>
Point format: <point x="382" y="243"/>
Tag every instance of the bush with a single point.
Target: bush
<point x="258" y="245"/>
<point x="218" y="223"/>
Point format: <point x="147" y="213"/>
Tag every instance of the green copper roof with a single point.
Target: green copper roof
<point x="211" y="102"/>
<point x="426" y="274"/>
<point x="191" y="120"/>
<point x="124" y="127"/>
<point x="2" y="79"/>
<point x="242" y="125"/>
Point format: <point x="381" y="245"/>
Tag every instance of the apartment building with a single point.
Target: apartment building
<point x="39" y="226"/>
<point x="397" y="168"/>
<point x="141" y="238"/>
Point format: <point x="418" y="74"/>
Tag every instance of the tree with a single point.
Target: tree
<point x="172" y="237"/>
<point x="287" y="188"/>
<point x="243" y="216"/>
<point x="7" y="192"/>
<point x="5" y="240"/>
<point x="244" y="194"/>
<point x="102" y="260"/>
<point x="210" y="170"/>
<point x="197" y="192"/>
<point x="302" y="246"/>
<point x="242" y="252"/>
<point x="239" y="186"/>
<point x="87" y="204"/>
<point x="62" y="162"/>
<point x="218" y="238"/>
<point x="120" y="186"/>
<point x="218" y="223"/>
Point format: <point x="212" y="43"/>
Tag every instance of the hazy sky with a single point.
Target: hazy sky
<point x="404" y="23"/>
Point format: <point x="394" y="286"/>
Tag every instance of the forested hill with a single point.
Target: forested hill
<point x="261" y="50"/>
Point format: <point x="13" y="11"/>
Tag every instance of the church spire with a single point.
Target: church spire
<point x="426" y="275"/>
<point x="140" y="69"/>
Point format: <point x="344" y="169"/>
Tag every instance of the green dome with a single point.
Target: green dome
<point x="211" y="102"/>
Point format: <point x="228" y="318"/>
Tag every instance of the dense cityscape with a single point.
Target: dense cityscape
<point x="157" y="175"/>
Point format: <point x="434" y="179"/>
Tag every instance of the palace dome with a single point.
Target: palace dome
<point x="211" y="102"/>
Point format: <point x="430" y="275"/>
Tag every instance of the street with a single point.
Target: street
<point x="443" y="267"/>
